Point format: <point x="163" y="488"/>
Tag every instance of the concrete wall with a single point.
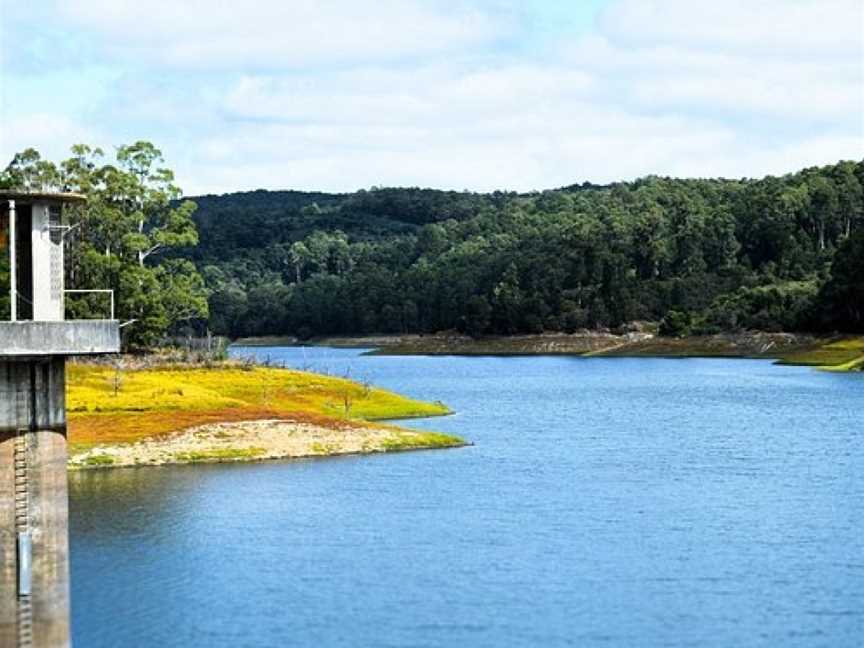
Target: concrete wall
<point x="32" y="413"/>
<point x="47" y="246"/>
<point x="78" y="337"/>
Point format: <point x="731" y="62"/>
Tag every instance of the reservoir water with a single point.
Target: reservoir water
<point x="606" y="502"/>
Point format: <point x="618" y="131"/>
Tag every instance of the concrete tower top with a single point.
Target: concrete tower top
<point x="32" y="291"/>
<point x="30" y="197"/>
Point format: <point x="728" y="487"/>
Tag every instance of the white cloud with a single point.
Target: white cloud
<point x="335" y="95"/>
<point x="656" y="89"/>
<point x="411" y="96"/>
<point x="756" y="161"/>
<point x="687" y="57"/>
<point x="810" y="28"/>
<point x="276" y="34"/>
<point x="787" y="93"/>
<point x="52" y="134"/>
<point x="261" y="160"/>
<point x="525" y="149"/>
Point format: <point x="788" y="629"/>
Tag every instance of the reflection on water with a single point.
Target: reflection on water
<point x="606" y="502"/>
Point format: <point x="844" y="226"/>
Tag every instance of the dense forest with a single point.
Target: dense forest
<point x="699" y="256"/>
<point x="696" y="256"/>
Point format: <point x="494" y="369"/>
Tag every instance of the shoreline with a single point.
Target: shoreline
<point x="829" y="352"/>
<point x="138" y="426"/>
<point x="146" y="412"/>
<point x="258" y="441"/>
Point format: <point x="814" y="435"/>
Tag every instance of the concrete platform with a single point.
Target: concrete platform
<point x="77" y="337"/>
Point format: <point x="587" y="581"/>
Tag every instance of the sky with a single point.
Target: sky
<point x="338" y="95"/>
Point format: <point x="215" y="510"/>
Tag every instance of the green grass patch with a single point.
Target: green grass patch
<point x="219" y="454"/>
<point x="324" y="448"/>
<point x="846" y="354"/>
<point x="420" y="440"/>
<point x="99" y="460"/>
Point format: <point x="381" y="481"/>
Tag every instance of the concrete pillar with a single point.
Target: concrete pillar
<point x="34" y="499"/>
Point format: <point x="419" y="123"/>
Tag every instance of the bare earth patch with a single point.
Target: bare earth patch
<point x="640" y="341"/>
<point x="258" y="440"/>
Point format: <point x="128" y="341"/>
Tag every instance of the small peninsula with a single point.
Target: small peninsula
<point x="133" y="414"/>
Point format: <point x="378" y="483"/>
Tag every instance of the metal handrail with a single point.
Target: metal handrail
<point x="96" y="290"/>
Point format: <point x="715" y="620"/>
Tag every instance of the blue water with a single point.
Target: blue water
<point x="607" y="502"/>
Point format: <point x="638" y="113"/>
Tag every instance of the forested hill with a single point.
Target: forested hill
<point x="701" y="255"/>
<point x="235" y="222"/>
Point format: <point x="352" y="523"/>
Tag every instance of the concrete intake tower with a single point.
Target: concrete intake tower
<point x="35" y="340"/>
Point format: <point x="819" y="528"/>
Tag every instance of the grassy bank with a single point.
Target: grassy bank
<point x="844" y="354"/>
<point x="110" y="408"/>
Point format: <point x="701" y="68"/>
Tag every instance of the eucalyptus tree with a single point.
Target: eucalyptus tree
<point x="134" y="214"/>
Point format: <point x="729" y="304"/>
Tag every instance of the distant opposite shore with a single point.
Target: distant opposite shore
<point x="834" y="352"/>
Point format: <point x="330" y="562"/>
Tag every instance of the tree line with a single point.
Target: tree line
<point x="699" y="256"/>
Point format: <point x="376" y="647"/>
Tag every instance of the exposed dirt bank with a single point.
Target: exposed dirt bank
<point x="258" y="441"/>
<point x="746" y="344"/>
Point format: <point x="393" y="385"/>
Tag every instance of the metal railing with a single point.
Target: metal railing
<point x="97" y="291"/>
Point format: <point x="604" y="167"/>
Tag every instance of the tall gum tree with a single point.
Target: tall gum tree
<point x="134" y="213"/>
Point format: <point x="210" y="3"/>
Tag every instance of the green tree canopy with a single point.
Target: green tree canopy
<point x="705" y="255"/>
<point x="133" y="216"/>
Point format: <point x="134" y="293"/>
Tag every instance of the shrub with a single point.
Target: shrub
<point x="675" y="324"/>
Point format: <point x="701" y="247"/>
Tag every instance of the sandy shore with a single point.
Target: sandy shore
<point x="258" y="441"/>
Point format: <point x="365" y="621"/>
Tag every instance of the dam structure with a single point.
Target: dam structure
<point x="35" y="340"/>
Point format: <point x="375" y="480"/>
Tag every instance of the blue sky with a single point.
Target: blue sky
<point x="484" y="94"/>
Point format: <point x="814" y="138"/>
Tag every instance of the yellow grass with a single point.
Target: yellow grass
<point x="152" y="402"/>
